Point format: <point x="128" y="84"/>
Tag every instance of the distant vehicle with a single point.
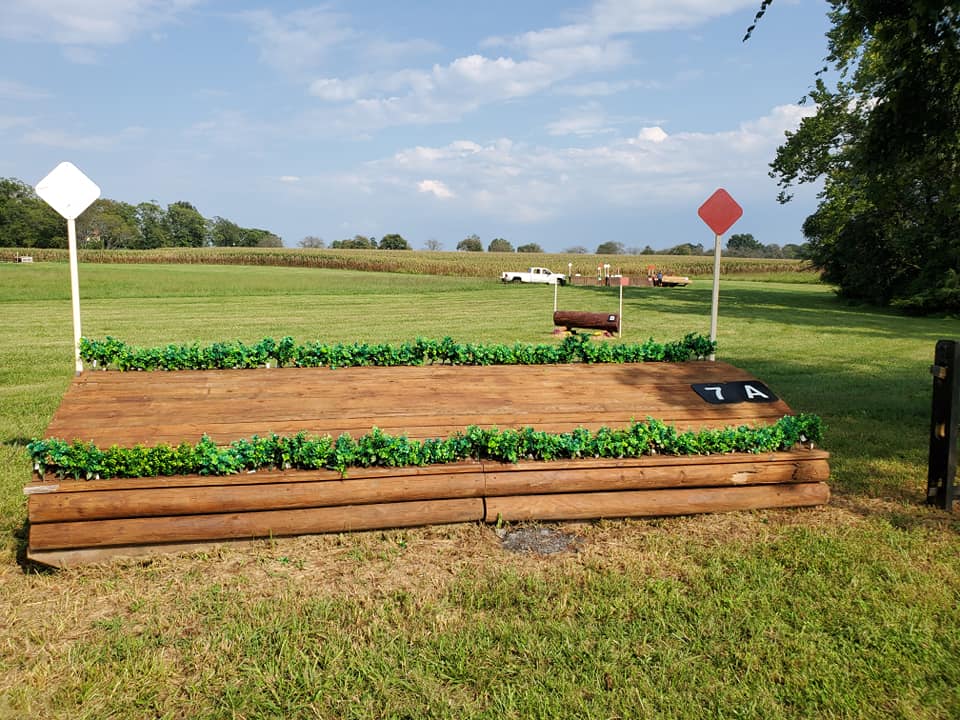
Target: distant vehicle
<point x="535" y="275"/>
<point x="658" y="279"/>
<point x="671" y="281"/>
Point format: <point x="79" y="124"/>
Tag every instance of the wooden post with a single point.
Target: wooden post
<point x="944" y="417"/>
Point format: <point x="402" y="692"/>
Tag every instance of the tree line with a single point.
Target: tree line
<point x="395" y="241"/>
<point x="27" y="221"/>
<point x="738" y="245"/>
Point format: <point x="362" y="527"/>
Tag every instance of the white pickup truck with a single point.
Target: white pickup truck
<point x="535" y="275"/>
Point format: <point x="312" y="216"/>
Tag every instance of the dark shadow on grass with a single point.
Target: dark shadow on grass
<point x="28" y="566"/>
<point x="905" y="516"/>
<point x="773" y="304"/>
<point x="17" y="442"/>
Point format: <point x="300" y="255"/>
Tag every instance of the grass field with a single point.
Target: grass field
<point x="846" y="611"/>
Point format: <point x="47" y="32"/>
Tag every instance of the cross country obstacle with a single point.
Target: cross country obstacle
<point x="78" y="521"/>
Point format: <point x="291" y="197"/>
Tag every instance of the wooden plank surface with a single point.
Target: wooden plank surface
<point x="433" y="401"/>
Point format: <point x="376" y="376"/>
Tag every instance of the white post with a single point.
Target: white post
<point x="74" y="290"/>
<point x="556" y="285"/>
<point x="70" y="192"/>
<point x="621" y="308"/>
<point x="716" y="292"/>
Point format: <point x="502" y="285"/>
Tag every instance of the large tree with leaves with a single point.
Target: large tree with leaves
<point x="886" y="141"/>
<point x="109" y="224"/>
<point x="26" y="220"/>
<point x="185" y="224"/>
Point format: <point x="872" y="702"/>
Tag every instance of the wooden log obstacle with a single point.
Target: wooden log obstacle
<point x="573" y="319"/>
<point x="76" y="521"/>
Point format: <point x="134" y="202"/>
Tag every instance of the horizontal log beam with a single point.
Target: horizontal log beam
<point x="270" y="523"/>
<point x="563" y="477"/>
<point x="653" y="503"/>
<point x="263" y="477"/>
<point x="225" y="498"/>
<point x="534" y="482"/>
<point x="571" y="319"/>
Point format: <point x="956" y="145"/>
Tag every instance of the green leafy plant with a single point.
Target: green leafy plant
<point x="113" y="353"/>
<point x="376" y="448"/>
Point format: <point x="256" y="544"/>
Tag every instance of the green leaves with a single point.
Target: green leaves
<point x="115" y="353"/>
<point x="378" y="449"/>
<point x="885" y="144"/>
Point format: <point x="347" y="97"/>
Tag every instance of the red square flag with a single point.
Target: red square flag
<point x="720" y="211"/>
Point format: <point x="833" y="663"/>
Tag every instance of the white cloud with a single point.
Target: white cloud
<point x="610" y="18"/>
<point x="540" y="60"/>
<point x="447" y="92"/>
<point x="298" y="40"/>
<point x="92" y="22"/>
<point x="600" y="88"/>
<point x="304" y="40"/>
<point x="584" y="122"/>
<point x="435" y="187"/>
<point x="652" y="134"/>
<point x="80" y="55"/>
<point x="336" y="90"/>
<point x="12" y="90"/>
<point x="235" y="129"/>
<point x="11" y="121"/>
<point x="289" y="178"/>
<point x="525" y="183"/>
<point x="76" y="141"/>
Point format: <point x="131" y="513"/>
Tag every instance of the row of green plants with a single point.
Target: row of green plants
<point x="113" y="353"/>
<point x="459" y="264"/>
<point x="81" y="460"/>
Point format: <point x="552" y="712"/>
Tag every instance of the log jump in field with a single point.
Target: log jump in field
<point x="82" y="521"/>
<point x="573" y="319"/>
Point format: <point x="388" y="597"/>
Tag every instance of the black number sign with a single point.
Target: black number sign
<point x="734" y="392"/>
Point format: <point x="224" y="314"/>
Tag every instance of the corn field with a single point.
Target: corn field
<point x="463" y="264"/>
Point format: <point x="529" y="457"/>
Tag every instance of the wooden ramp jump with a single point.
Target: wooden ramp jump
<point x="87" y="521"/>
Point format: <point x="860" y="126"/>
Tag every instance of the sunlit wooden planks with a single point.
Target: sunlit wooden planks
<point x="148" y="408"/>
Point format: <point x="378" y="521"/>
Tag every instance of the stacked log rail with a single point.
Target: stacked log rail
<point x="76" y="521"/>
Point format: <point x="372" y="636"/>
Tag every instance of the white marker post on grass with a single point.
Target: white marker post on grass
<point x="719" y="212"/>
<point x="70" y="192"/>
<point x="624" y="280"/>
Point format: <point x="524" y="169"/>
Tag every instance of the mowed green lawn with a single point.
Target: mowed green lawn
<point x="847" y="611"/>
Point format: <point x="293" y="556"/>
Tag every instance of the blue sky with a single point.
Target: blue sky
<point x="556" y="123"/>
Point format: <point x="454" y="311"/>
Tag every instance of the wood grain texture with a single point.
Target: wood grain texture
<point x="653" y="503"/>
<point x="224" y="498"/>
<point x="192" y="495"/>
<point x="270" y="523"/>
<point x="434" y="401"/>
